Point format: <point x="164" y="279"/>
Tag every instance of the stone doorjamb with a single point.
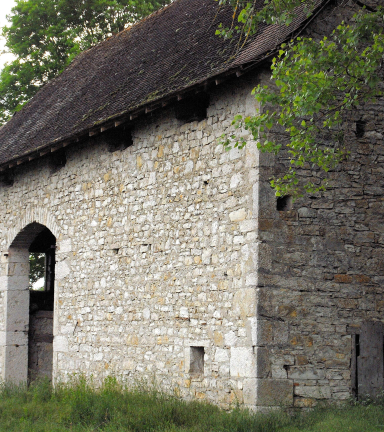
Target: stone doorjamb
<point x="14" y="281"/>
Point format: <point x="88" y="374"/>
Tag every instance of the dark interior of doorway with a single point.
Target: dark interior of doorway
<point x="41" y="304"/>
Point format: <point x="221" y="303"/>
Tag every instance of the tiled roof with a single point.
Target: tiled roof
<point x="167" y="53"/>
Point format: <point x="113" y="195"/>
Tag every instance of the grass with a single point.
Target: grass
<point x="78" y="407"/>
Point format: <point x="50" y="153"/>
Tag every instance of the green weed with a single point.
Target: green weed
<point x="81" y="407"/>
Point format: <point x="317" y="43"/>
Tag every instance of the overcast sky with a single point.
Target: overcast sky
<point x="5" y="8"/>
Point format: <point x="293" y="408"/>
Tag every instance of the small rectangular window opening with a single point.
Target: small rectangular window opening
<point x="197" y="361"/>
<point x="360" y="128"/>
<point x="284" y="203"/>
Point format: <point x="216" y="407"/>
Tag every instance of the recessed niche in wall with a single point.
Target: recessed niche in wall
<point x="197" y="361"/>
<point x="284" y="203"/>
<point x="192" y="108"/>
<point x="360" y="128"/>
<point x="57" y="160"/>
<point x="7" y="178"/>
<point x="118" y="138"/>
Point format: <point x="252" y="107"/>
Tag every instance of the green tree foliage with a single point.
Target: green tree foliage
<point x="315" y="84"/>
<point x="36" y="267"/>
<point x="45" y="36"/>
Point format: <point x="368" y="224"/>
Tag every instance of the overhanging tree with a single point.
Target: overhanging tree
<point x="315" y="84"/>
<point x="45" y="36"/>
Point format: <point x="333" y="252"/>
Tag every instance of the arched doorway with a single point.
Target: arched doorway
<point x="29" y="309"/>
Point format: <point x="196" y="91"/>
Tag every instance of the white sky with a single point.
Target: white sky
<point x="5" y="9"/>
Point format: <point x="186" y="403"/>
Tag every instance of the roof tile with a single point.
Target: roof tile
<point x="169" y="51"/>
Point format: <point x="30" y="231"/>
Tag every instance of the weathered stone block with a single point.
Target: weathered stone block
<point x="248" y="225"/>
<point x="17" y="282"/>
<point x="251" y="328"/>
<point x="264" y="256"/>
<point x="305" y="212"/>
<point x="249" y="391"/>
<point x="244" y="302"/>
<point x="274" y="392"/>
<point x="306" y="373"/>
<point x="3" y="283"/>
<point x="16" y="364"/>
<point x="271" y="332"/>
<point x="242" y="362"/>
<point x="221" y="355"/>
<point x="17" y="314"/>
<point x="64" y="246"/>
<point x="62" y="270"/>
<point x="263" y="362"/>
<point x="13" y="338"/>
<point x="18" y="255"/>
<point x="238" y="215"/>
<point x="316" y="392"/>
<point x="17" y="269"/>
<point x="60" y="344"/>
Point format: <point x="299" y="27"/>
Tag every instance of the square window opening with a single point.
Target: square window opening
<point x="284" y="203"/>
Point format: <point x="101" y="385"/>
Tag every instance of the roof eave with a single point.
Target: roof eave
<point x="149" y="107"/>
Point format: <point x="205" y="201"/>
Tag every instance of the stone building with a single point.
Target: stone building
<point x="171" y="259"/>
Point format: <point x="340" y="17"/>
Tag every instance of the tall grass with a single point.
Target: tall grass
<point x="80" y="407"/>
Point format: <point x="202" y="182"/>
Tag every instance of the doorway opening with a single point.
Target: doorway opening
<point x="30" y="305"/>
<point x="41" y="301"/>
<point x="367" y="365"/>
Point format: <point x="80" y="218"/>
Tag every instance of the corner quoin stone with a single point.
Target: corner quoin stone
<point x="274" y="392"/>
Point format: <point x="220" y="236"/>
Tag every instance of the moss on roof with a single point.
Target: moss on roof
<point x="169" y="51"/>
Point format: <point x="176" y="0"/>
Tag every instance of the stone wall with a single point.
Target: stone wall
<point x="321" y="279"/>
<point x="174" y="265"/>
<point x="156" y="253"/>
<point x="325" y="274"/>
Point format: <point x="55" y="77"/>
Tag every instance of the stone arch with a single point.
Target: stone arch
<point x="33" y="214"/>
<point x="17" y="341"/>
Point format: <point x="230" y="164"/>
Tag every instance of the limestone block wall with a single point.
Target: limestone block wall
<point x="323" y="272"/>
<point x="3" y="278"/>
<point x="320" y="267"/>
<point x="156" y="253"/>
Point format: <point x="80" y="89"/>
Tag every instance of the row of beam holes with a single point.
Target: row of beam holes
<point x="56" y="161"/>
<point x="190" y="109"/>
<point x="193" y="108"/>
